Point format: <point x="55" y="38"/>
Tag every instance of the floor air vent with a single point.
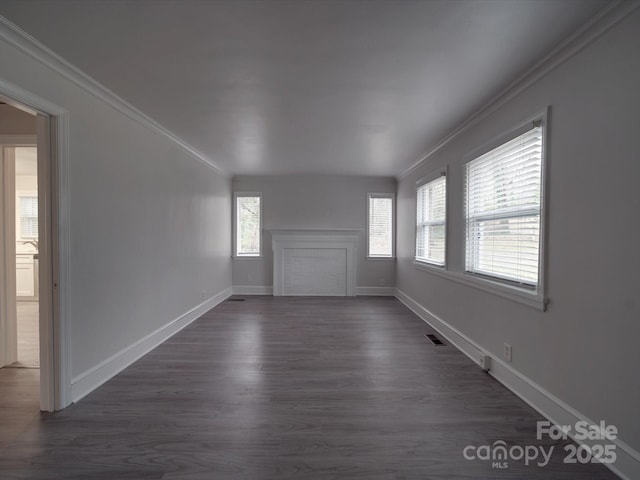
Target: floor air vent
<point x="435" y="340"/>
<point x="236" y="299"/>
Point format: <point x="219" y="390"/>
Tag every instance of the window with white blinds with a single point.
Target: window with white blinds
<point x="431" y="221"/>
<point x="28" y="217"/>
<point x="503" y="210"/>
<point x="380" y="225"/>
<point x="248" y="224"/>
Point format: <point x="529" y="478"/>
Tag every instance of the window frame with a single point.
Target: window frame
<point x="390" y="196"/>
<point x="19" y="196"/>
<point x="420" y="261"/>
<point x="234" y="241"/>
<point x="534" y="296"/>
<point x="456" y="220"/>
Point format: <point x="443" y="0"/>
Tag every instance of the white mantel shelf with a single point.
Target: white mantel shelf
<point x="316" y="231"/>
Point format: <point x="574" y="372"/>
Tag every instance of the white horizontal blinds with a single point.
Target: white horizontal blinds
<point x="431" y="221"/>
<point x="380" y="226"/>
<point x="503" y="210"/>
<point x="248" y="225"/>
<point x="29" y="217"/>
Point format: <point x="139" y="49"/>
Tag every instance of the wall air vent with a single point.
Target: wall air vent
<point x="434" y="339"/>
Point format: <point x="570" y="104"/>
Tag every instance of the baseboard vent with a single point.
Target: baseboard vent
<point x="235" y="299"/>
<point x="434" y="339"/>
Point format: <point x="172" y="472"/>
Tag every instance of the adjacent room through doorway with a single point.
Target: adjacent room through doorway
<point x="27" y="261"/>
<point x="20" y="282"/>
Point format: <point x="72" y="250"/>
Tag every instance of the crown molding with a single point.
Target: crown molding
<point x="608" y="17"/>
<point x="24" y="42"/>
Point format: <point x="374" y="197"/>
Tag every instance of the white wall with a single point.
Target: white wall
<point x="584" y="349"/>
<point x="313" y="201"/>
<point x="150" y="224"/>
<point x="27" y="183"/>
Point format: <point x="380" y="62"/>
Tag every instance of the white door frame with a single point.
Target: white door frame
<point x="8" y="324"/>
<point x="53" y="205"/>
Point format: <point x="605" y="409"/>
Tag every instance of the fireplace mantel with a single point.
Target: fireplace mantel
<point x="315" y="261"/>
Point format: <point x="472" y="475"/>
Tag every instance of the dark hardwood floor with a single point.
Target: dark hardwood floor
<point x="284" y="388"/>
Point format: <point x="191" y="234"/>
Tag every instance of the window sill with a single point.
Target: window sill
<point x="428" y="266"/>
<point x="514" y="293"/>
<point x="384" y="259"/>
<point x="246" y="257"/>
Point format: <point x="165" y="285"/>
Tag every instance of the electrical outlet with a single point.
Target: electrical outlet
<point x="507" y="352"/>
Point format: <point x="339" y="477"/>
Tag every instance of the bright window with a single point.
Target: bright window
<point x="503" y="210"/>
<point x="380" y="225"/>
<point x="431" y="221"/>
<point x="248" y="224"/>
<point x="28" y="217"/>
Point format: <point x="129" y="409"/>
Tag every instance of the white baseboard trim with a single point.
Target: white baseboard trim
<point x="91" y="379"/>
<point x="268" y="290"/>
<point x="454" y="336"/>
<point x="252" y="290"/>
<point x="627" y="464"/>
<point x="376" y="291"/>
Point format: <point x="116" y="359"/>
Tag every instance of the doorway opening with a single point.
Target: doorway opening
<point x="27" y="258"/>
<point x="29" y="364"/>
<point x="20" y="285"/>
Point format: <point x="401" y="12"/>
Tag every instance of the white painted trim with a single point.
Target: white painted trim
<point x="317" y="231"/>
<point x="234" y="229"/>
<point x="423" y="182"/>
<point x="340" y="239"/>
<point x="8" y="304"/>
<point x="376" y="291"/>
<point x="627" y="465"/>
<point x="61" y="223"/>
<point x="268" y="290"/>
<point x="86" y="382"/>
<point x="392" y="197"/>
<point x="55" y="384"/>
<point x="18" y="140"/>
<point x="252" y="290"/>
<point x="24" y="42"/>
<point x="47" y="256"/>
<point x="608" y="17"/>
<point x="535" y="297"/>
<point x="454" y="336"/>
<point x="24" y="100"/>
<point x="499" y="289"/>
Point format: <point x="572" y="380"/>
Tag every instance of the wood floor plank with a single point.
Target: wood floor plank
<point x="284" y="388"/>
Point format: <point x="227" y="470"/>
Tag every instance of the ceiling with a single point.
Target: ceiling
<point x="304" y="86"/>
